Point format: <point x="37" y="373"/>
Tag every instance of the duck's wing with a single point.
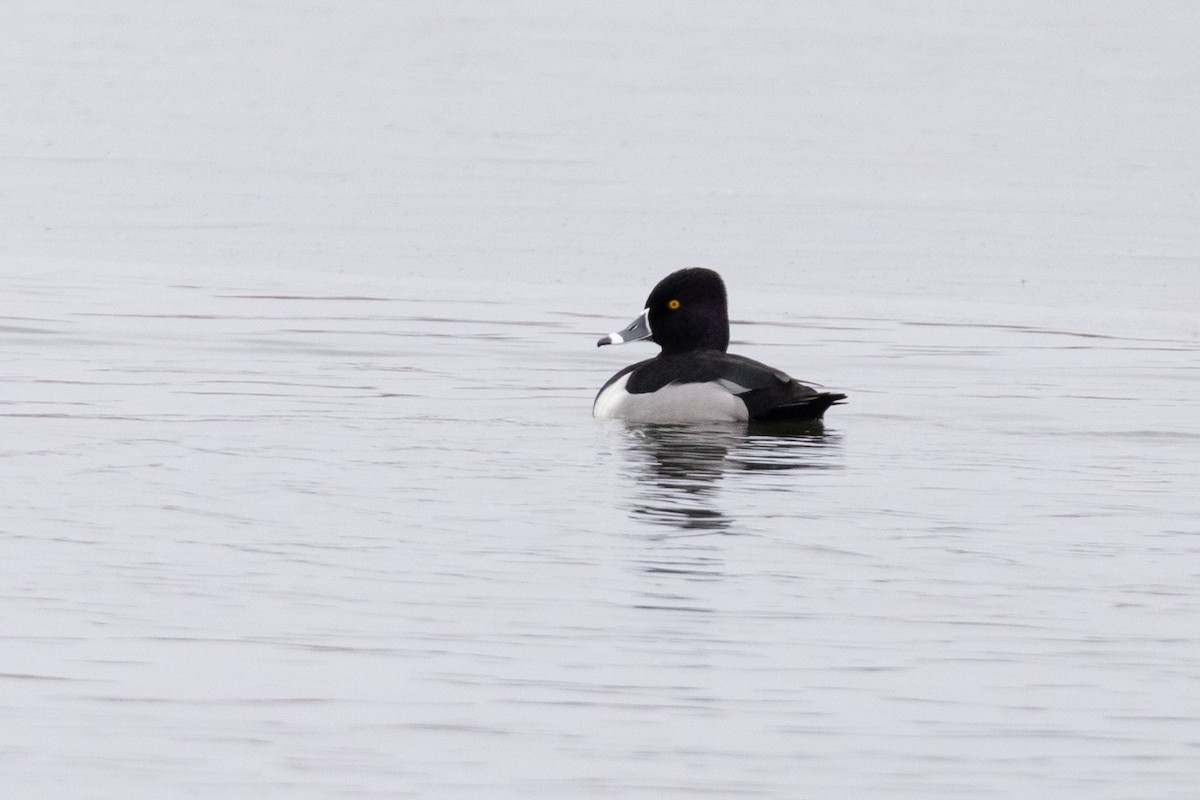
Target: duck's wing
<point x="771" y="394"/>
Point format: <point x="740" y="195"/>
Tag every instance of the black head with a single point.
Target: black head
<point x="688" y="311"/>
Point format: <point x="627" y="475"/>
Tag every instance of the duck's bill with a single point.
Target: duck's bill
<point x="636" y="330"/>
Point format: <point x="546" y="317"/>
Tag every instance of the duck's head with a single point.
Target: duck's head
<point x="686" y="311"/>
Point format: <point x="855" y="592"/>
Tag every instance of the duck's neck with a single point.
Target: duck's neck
<point x="714" y="335"/>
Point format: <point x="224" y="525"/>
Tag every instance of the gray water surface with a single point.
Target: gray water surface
<point x="301" y="492"/>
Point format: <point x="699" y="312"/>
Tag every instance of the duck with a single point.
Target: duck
<point x="693" y="378"/>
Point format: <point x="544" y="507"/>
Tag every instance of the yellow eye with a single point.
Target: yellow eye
<point x="673" y="305"/>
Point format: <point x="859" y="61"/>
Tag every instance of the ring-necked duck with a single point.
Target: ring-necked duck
<point x="693" y="379"/>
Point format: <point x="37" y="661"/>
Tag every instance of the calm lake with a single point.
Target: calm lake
<point x="302" y="496"/>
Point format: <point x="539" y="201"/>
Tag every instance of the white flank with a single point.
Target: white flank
<point x="676" y="402"/>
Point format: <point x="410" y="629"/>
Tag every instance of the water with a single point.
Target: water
<point x="302" y="496"/>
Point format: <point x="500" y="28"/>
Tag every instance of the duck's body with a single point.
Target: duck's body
<point x="708" y="386"/>
<point x="694" y="379"/>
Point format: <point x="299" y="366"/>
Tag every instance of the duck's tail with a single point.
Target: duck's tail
<point x="804" y="409"/>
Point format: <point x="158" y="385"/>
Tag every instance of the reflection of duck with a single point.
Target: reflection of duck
<point x="693" y="379"/>
<point x="680" y="466"/>
<point x="679" y="470"/>
<point x="788" y="445"/>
